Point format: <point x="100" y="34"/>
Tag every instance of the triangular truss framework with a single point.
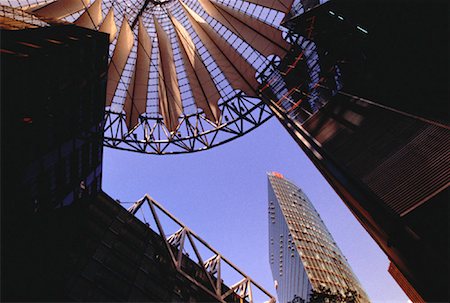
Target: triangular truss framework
<point x="212" y="267"/>
<point x="195" y="132"/>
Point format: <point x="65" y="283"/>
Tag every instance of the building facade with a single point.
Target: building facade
<point x="303" y="255"/>
<point x="117" y="257"/>
<point x="404" y="284"/>
<point x="51" y="133"/>
<point x="378" y="133"/>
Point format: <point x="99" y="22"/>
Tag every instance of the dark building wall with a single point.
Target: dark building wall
<point x="94" y="250"/>
<point x="398" y="53"/>
<point x="388" y="159"/>
<point x="52" y="107"/>
<point x="404" y="284"/>
<point x="385" y="150"/>
<point x="122" y="259"/>
<point x="394" y="180"/>
<point x="52" y="113"/>
<point x="401" y="165"/>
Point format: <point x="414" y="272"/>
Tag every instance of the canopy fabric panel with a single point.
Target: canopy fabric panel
<point x="136" y="98"/>
<point x="61" y="8"/>
<point x="29" y="8"/>
<point x="204" y="90"/>
<point x="264" y="38"/>
<point x="279" y="5"/>
<point x="170" y="106"/>
<point x="119" y="59"/>
<point x="225" y="55"/>
<point x="109" y="25"/>
<point x="213" y="12"/>
<point x="92" y="17"/>
<point x="183" y="75"/>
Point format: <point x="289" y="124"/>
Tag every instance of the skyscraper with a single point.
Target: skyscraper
<point x="303" y="255"/>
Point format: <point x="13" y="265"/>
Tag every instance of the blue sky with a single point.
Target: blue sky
<point x="221" y="194"/>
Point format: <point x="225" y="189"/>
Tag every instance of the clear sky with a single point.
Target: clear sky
<point x="221" y="194"/>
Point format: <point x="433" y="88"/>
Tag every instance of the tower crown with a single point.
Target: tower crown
<point x="277" y="174"/>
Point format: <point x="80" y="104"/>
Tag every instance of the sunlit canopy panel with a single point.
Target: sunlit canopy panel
<point x="92" y="17"/>
<point x="30" y="7"/>
<point x="236" y="69"/>
<point x="169" y="92"/>
<point x="204" y="90"/>
<point x="182" y="74"/>
<point x="109" y="25"/>
<point x="264" y="38"/>
<point x="280" y="5"/>
<point x="60" y="8"/>
<point x="136" y="98"/>
<point x="119" y="59"/>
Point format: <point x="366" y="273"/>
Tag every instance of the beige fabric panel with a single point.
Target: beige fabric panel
<point x="170" y="105"/>
<point x="136" y="99"/>
<point x="162" y="96"/>
<point x="242" y="66"/>
<point x="92" y="17"/>
<point x="261" y="36"/>
<point x="279" y="5"/>
<point x="119" y="59"/>
<point x="224" y="55"/>
<point x="34" y="7"/>
<point x="109" y="25"/>
<point x="213" y="12"/>
<point x="204" y="90"/>
<point x="61" y="8"/>
<point x="128" y="105"/>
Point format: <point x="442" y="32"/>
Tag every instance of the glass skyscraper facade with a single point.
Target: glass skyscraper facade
<point x="303" y="255"/>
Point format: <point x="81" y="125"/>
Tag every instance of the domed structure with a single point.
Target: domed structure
<point x="182" y="74"/>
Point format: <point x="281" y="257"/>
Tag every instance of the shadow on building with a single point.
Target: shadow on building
<point x="365" y="95"/>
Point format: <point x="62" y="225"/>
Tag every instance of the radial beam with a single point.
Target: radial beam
<point x="139" y="14"/>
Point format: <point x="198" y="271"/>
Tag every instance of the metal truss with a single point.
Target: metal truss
<point x="240" y="115"/>
<point x="296" y="83"/>
<point x="212" y="267"/>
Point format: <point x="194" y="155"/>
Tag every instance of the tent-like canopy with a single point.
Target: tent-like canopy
<point x="181" y="68"/>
